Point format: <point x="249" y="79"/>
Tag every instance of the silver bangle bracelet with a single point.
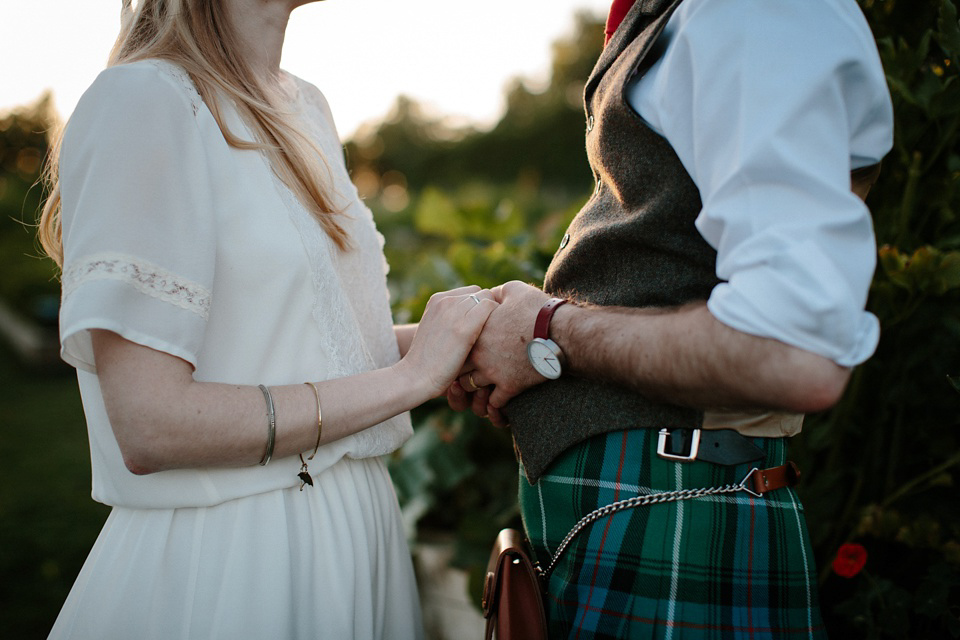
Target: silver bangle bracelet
<point x="271" y="426"/>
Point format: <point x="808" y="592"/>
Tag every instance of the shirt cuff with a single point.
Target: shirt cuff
<point x="758" y="305"/>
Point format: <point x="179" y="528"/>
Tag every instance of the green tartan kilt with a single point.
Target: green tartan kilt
<point x="721" y="566"/>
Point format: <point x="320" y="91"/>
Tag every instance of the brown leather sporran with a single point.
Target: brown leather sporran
<point x="512" y="592"/>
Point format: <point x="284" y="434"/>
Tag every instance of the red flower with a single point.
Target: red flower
<point x="850" y="560"/>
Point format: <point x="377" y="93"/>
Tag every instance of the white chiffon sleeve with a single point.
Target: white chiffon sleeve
<point x="138" y="232"/>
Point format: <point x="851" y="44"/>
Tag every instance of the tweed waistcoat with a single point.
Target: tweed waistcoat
<point x="634" y="244"/>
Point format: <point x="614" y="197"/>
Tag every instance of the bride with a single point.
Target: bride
<point x="225" y="305"/>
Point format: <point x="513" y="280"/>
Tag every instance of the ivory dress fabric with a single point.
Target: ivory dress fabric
<point x="181" y="243"/>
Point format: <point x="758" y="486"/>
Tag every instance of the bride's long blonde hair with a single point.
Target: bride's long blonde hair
<point x="197" y="36"/>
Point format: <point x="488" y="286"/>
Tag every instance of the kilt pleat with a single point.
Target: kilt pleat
<point x="714" y="567"/>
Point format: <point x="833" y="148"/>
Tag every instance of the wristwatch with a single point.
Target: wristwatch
<point x="544" y="354"/>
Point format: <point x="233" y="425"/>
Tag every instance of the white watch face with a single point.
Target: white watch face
<point x="545" y="357"/>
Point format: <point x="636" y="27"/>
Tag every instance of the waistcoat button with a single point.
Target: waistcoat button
<point x="566" y="239"/>
<point x="590" y="124"/>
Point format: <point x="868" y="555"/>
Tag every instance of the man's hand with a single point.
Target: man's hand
<point x="681" y="355"/>
<point x="499" y="357"/>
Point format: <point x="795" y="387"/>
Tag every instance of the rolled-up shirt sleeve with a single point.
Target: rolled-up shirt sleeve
<point x="769" y="106"/>
<point x="138" y="235"/>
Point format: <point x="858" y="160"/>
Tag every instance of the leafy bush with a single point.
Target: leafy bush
<point x="882" y="465"/>
<point x="457" y="473"/>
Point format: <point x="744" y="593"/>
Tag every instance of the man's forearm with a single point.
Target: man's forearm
<point x="686" y="356"/>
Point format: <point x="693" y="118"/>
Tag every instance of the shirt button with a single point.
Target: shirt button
<point x="565" y="241"/>
<point x="590" y="124"/>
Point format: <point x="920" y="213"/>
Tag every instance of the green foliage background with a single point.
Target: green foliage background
<point x="462" y="206"/>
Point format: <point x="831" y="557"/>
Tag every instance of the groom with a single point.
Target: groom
<point x="709" y="293"/>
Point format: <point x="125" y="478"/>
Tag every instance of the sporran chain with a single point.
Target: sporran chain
<point x="638" y="501"/>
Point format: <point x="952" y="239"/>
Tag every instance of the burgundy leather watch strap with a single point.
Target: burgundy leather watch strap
<point x="541" y="329"/>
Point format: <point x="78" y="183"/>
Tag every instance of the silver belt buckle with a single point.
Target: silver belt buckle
<point x="662" y="446"/>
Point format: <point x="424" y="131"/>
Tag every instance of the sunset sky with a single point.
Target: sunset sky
<point x="453" y="56"/>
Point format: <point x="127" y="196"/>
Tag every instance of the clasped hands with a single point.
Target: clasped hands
<point x="497" y="368"/>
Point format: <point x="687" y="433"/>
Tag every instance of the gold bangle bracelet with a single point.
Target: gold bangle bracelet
<point x="316" y="393"/>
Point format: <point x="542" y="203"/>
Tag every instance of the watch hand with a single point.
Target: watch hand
<point x="549" y="360"/>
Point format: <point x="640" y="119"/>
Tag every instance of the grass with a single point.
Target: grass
<point x="48" y="521"/>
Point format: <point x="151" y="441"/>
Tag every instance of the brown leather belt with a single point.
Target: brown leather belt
<point x="725" y="447"/>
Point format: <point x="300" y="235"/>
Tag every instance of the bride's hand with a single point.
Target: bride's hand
<point x="450" y="325"/>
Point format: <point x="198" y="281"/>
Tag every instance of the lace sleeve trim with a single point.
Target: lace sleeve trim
<point x="146" y="278"/>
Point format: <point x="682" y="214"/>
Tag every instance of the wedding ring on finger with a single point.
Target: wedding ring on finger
<point x="473" y="384"/>
<point x="474" y="297"/>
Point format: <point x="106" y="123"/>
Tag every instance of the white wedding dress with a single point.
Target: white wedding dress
<point x="179" y="242"/>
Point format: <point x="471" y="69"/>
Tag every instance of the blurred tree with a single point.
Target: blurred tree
<point x="28" y="281"/>
<point x="538" y="142"/>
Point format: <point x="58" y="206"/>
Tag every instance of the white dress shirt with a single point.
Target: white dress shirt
<point x="769" y="105"/>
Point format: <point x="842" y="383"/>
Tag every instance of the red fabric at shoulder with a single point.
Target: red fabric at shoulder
<point x="618" y="10"/>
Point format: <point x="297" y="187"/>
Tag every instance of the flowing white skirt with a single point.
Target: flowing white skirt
<point x="328" y="562"/>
